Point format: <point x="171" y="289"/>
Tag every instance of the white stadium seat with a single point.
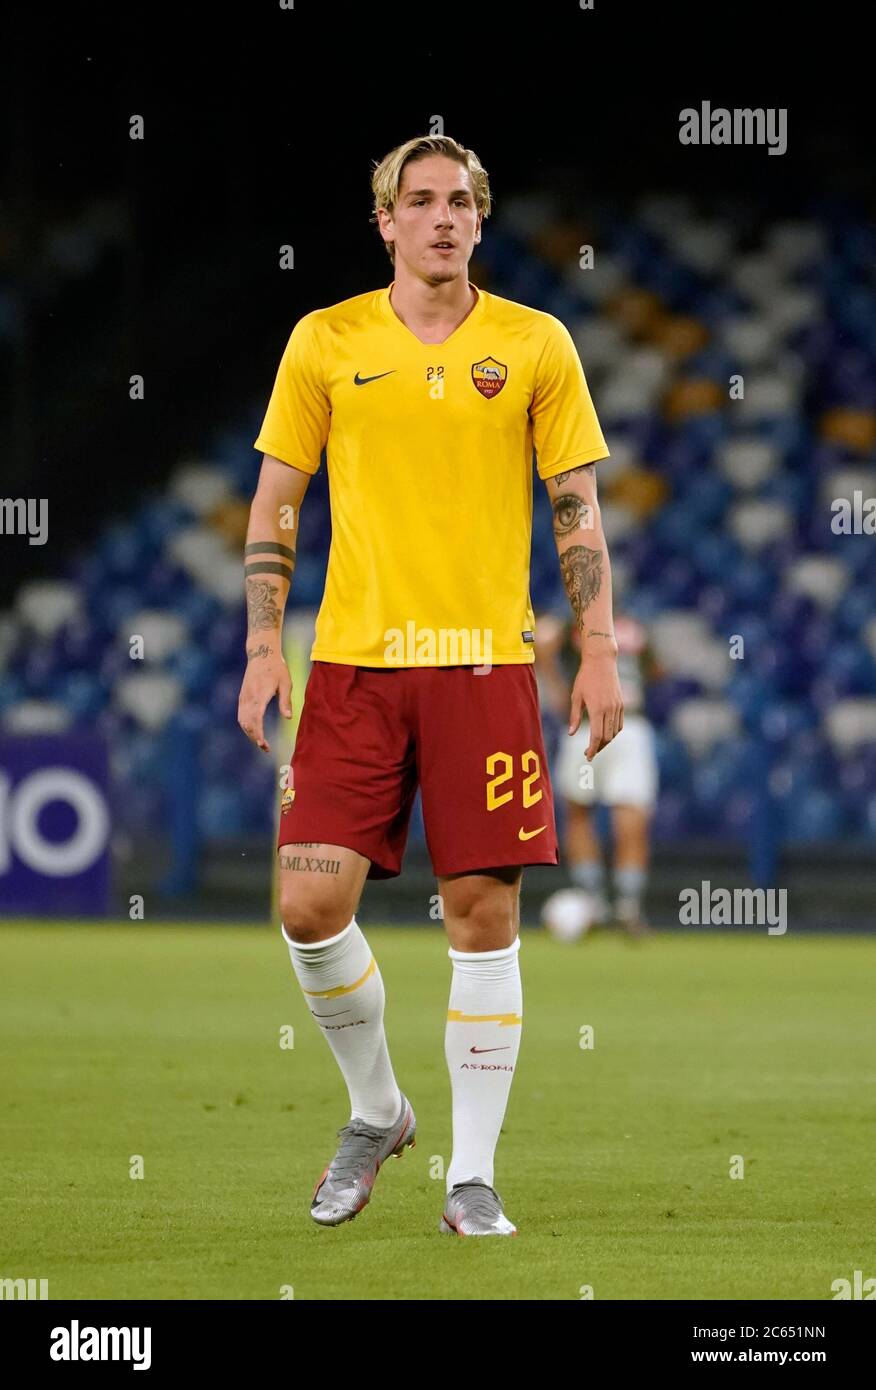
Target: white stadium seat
<point x="149" y="697"/>
<point x="752" y="340"/>
<point x="792" y="306"/>
<point x="37" y="717"/>
<point x="703" y="722"/>
<point x="747" y="463"/>
<point x="757" y="523"/>
<point x="767" y="395"/>
<point x="819" y="577"/>
<point x="163" y="633"/>
<point x="200" y="486"/>
<point x="851" y="722"/>
<point x="45" y="605"/>
<point x="705" y="246"/>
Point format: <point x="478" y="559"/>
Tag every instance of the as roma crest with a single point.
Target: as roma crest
<point x="489" y="376"/>
<point x="287" y="798"/>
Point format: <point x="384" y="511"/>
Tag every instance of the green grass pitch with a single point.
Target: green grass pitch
<point x="614" y="1162"/>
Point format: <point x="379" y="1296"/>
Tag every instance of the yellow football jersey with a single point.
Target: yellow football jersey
<point x="429" y="449"/>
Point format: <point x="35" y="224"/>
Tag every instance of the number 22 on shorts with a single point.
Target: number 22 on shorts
<point x="500" y="770"/>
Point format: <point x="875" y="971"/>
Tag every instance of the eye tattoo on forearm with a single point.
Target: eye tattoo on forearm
<point x="581" y="569"/>
<point x="570" y="513"/>
<point x="261" y="610"/>
<point x="560" y="478"/>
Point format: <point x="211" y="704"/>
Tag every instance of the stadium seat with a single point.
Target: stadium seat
<point x="813" y="819"/>
<point x="759" y="523"/>
<point x="199" y="486"/>
<point x="45" y="605"/>
<point x="751" y="340"/>
<point x="28" y="717"/>
<point x="150" y="698"/>
<point x="819" y="577"/>
<point x="703" y="722"/>
<point x="850" y="723"/>
<point x="162" y="634"/>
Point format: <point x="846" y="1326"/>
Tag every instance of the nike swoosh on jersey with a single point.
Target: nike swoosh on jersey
<point x="364" y="380"/>
<point x="489" y="1049"/>
<point x="528" y="834"/>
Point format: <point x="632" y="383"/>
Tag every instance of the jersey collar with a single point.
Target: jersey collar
<point x="473" y="316"/>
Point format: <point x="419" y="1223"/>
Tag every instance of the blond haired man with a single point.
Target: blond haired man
<point x="429" y="396"/>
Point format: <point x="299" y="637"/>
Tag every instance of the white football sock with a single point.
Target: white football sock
<point x="629" y="885"/>
<point x="344" y="991"/>
<point x="481" y="1042"/>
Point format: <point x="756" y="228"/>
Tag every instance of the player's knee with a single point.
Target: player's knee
<point x="309" y="917"/>
<point x="478" y="912"/>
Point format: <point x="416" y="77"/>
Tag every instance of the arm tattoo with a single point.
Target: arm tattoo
<point x="269" y="548"/>
<point x="270" y="567"/>
<point x="570" y="513"/>
<point x="560" y="478"/>
<point x="261" y="610"/>
<point x="582" y="575"/>
<point x="593" y="633"/>
<point x="263" y="650"/>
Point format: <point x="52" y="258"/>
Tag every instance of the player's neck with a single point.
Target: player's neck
<point x="432" y="309"/>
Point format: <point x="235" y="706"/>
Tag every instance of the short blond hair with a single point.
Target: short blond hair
<point x="387" y="176"/>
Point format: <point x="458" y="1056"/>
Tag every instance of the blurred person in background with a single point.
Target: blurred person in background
<point x="623" y="778"/>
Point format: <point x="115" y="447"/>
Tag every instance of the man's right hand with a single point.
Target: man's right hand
<point x="266" y="676"/>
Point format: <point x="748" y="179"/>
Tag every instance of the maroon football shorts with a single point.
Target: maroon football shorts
<point x="367" y="737"/>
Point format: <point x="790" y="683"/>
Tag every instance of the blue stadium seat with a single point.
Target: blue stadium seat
<point x="221" y="812"/>
<point x="196" y="668"/>
<point x="84" y="694"/>
<point x="672" y="817"/>
<point x="814" y="817"/>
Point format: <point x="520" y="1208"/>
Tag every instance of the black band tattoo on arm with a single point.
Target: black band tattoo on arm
<point x="560" y="478"/>
<point x="261" y="607"/>
<point x="269" y="567"/>
<point x="570" y="513"/>
<point x="581" y="569"/>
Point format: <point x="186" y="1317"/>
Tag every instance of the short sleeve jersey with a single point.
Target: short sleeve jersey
<point x="430" y="450"/>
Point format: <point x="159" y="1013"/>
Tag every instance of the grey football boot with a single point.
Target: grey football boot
<point x="474" y="1209"/>
<point x="345" y="1186"/>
